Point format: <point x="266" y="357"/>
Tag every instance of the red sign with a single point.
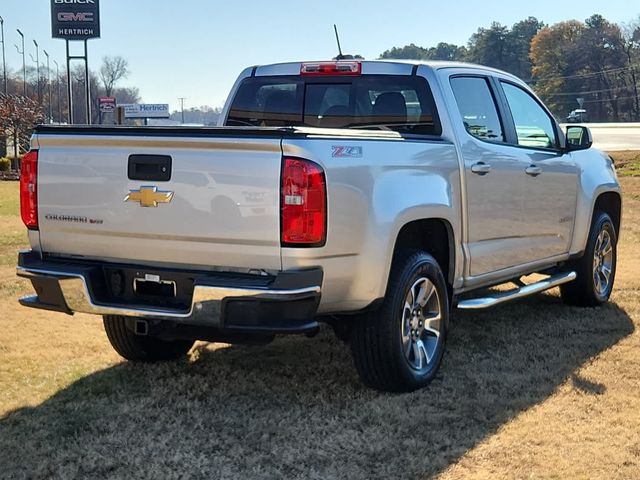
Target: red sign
<point x="107" y="104"/>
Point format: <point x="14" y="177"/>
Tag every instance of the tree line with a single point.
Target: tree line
<point x="41" y="96"/>
<point x="594" y="64"/>
<point x="49" y="90"/>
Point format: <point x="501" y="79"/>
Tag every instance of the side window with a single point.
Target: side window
<point x="533" y="125"/>
<point x="478" y="108"/>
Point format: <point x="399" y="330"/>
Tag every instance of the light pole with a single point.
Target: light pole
<point x="4" y="62"/>
<point x="58" y="85"/>
<point x="24" y="64"/>
<point x="182" y="99"/>
<point x="37" y="62"/>
<point x="81" y="81"/>
<point x="48" y="85"/>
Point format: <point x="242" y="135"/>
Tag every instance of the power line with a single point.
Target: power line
<point x="583" y="75"/>
<point x="590" y="92"/>
<point x="602" y="100"/>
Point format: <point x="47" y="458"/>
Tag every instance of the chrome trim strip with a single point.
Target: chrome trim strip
<point x="502" y="297"/>
<point x="205" y="304"/>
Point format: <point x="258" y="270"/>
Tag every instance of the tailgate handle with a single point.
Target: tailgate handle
<point x="150" y="167"/>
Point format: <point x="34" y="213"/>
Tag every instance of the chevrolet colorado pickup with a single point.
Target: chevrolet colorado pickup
<point x="375" y="196"/>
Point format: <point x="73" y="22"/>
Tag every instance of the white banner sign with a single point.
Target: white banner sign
<point x="146" y="110"/>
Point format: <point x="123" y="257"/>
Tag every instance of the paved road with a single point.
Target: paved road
<point x="615" y="136"/>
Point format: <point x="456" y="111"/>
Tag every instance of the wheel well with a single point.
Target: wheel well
<point x="610" y="203"/>
<point x="434" y="236"/>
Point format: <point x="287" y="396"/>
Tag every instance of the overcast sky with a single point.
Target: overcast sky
<point x="196" y="48"/>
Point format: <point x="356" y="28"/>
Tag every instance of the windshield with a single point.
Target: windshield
<point x="399" y="103"/>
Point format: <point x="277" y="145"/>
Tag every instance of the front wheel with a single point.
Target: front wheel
<point x="596" y="269"/>
<point x="399" y="347"/>
<point x="139" y="348"/>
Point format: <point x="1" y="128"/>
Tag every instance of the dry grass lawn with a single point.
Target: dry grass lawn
<point x="627" y="162"/>
<point x="534" y="389"/>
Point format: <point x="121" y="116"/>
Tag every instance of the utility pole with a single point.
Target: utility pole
<point x="24" y="64"/>
<point x="37" y="62"/>
<point x="58" y="88"/>
<point x="87" y="91"/>
<point x="4" y="62"/>
<point x="182" y="99"/>
<point x="48" y="85"/>
<point x="69" y="89"/>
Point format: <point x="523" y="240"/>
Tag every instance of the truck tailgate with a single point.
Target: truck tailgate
<point x="223" y="211"/>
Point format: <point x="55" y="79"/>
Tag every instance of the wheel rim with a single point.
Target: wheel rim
<point x="602" y="262"/>
<point x="421" y="324"/>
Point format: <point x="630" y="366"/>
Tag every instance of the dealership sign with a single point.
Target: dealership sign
<point x="75" y="19"/>
<point x="146" y="110"/>
<point x="107" y="104"/>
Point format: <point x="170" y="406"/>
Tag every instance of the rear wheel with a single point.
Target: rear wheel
<point x="142" y="348"/>
<point x="596" y="269"/>
<point x="399" y="347"/>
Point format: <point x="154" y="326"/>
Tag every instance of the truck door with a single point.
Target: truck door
<point x="494" y="179"/>
<point x="550" y="177"/>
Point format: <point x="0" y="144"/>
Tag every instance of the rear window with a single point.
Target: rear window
<point x="400" y="103"/>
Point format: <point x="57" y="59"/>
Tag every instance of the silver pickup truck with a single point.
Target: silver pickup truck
<point x="374" y="196"/>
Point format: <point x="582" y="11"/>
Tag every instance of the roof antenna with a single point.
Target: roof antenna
<point x="340" y="55"/>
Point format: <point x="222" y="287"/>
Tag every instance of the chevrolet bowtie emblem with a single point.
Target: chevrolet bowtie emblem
<point x="149" y="196"/>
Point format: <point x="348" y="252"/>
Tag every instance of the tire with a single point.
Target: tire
<point x="341" y="327"/>
<point x="384" y="342"/>
<point x="138" y="348"/>
<point x="593" y="287"/>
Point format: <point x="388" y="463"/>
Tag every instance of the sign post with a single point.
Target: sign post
<point x="76" y="20"/>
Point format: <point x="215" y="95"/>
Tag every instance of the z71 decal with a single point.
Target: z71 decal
<point x="345" y="151"/>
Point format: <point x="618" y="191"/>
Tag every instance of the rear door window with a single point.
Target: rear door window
<point x="478" y="108"/>
<point x="385" y="102"/>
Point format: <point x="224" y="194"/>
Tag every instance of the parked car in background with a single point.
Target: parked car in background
<point x="578" y="116"/>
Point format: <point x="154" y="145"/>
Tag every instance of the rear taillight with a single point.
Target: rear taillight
<point x="303" y="204"/>
<point x="29" y="189"/>
<point x="331" y="68"/>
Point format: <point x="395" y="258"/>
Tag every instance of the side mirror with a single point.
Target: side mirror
<point x="578" y="138"/>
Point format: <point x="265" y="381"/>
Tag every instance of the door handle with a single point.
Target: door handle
<point x="481" y="168"/>
<point x="533" y="170"/>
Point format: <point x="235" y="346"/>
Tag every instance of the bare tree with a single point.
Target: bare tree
<point x="113" y="70"/>
<point x="18" y="116"/>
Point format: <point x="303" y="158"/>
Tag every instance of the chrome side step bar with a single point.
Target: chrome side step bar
<point x="520" y="292"/>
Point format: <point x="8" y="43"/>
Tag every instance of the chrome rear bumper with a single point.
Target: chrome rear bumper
<point x="67" y="287"/>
